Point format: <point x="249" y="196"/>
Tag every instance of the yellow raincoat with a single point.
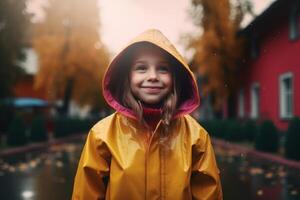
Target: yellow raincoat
<point x="124" y="160"/>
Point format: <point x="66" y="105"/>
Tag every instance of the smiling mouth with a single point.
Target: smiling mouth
<point x="152" y="90"/>
<point x="152" y="87"/>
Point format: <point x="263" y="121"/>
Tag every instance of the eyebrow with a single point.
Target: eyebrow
<point x="143" y="61"/>
<point x="139" y="61"/>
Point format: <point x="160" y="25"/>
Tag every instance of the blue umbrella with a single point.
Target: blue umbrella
<point x="26" y="102"/>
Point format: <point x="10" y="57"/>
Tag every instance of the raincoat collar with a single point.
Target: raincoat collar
<point x="155" y="37"/>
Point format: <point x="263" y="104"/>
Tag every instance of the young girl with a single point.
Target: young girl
<point x="150" y="148"/>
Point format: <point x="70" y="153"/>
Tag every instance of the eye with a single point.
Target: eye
<point x="140" y="68"/>
<point x="164" y="68"/>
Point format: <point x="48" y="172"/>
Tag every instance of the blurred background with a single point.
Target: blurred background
<point x="244" y="54"/>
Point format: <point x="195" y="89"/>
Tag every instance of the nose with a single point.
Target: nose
<point x="152" y="75"/>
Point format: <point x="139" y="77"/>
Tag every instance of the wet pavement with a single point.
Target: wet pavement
<point x="40" y="175"/>
<point x="49" y="173"/>
<point x="248" y="178"/>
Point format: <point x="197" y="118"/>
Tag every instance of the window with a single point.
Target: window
<point x="254" y="101"/>
<point x="293" y="21"/>
<point x="254" y="50"/>
<point x="241" y="104"/>
<point x="31" y="62"/>
<point x="286" y="95"/>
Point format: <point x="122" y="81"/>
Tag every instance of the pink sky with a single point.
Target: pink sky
<point x="121" y="20"/>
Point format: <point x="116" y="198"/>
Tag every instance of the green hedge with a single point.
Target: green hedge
<point x="249" y="130"/>
<point x="38" y="130"/>
<point x="229" y="129"/>
<point x="292" y="140"/>
<point x="213" y="127"/>
<point x="17" y="132"/>
<point x="233" y="131"/>
<point x="64" y="126"/>
<point x="267" y="138"/>
<point x="6" y="117"/>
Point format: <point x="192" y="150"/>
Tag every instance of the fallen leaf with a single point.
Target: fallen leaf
<point x="259" y="192"/>
<point x="255" y="171"/>
<point x="294" y="192"/>
<point x="269" y="175"/>
<point x="59" y="164"/>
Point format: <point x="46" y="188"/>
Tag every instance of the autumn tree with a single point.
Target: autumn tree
<point x="71" y="54"/>
<point x="218" y="50"/>
<point x="13" y="25"/>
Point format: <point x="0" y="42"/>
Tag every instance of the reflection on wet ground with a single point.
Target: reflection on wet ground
<point x="49" y="173"/>
<point x="46" y="174"/>
<point x="245" y="177"/>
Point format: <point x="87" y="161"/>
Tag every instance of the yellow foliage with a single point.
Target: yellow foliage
<point x="217" y="50"/>
<point x="70" y="48"/>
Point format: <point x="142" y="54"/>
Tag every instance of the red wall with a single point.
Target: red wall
<point x="25" y="88"/>
<point x="277" y="55"/>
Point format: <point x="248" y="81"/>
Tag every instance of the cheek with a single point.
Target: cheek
<point x="134" y="80"/>
<point x="169" y="81"/>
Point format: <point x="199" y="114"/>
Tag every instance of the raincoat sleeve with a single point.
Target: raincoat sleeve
<point x="205" y="179"/>
<point x="93" y="170"/>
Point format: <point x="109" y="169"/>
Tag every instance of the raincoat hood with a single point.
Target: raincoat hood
<point x="190" y="98"/>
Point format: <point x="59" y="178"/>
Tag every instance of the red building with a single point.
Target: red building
<point x="270" y="83"/>
<point x="25" y="88"/>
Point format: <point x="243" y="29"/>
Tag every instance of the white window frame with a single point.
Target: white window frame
<point x="241" y="104"/>
<point x="255" y="99"/>
<point x="294" y="21"/>
<point x="283" y="92"/>
<point x="31" y="62"/>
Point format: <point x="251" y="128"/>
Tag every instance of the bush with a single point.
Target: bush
<point x="17" y="132"/>
<point x="65" y="126"/>
<point x="61" y="127"/>
<point x="225" y="129"/>
<point x="292" y="141"/>
<point x="249" y="130"/>
<point x="38" y="130"/>
<point x="213" y="127"/>
<point x="6" y="117"/>
<point x="233" y="131"/>
<point x="267" y="138"/>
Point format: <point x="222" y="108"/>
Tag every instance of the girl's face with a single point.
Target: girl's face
<point x="150" y="75"/>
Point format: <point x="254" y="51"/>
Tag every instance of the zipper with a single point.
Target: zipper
<point x="150" y="135"/>
<point x="148" y="141"/>
<point x="148" y="144"/>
